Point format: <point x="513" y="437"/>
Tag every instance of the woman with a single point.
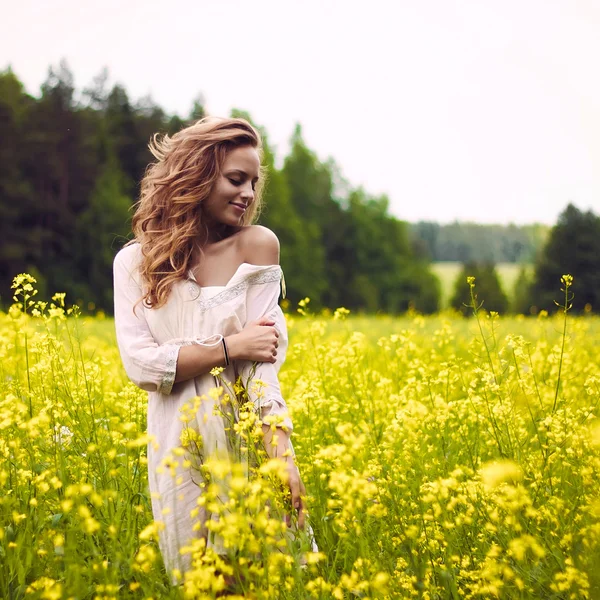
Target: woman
<point x="198" y="288"/>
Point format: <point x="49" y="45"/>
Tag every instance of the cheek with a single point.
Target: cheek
<point x="216" y="196"/>
<point x="224" y="190"/>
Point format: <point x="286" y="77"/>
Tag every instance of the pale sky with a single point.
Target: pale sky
<point x="472" y="110"/>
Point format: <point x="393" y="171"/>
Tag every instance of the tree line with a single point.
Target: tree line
<point x="70" y="168"/>
<point x="467" y="242"/>
<point x="572" y="247"/>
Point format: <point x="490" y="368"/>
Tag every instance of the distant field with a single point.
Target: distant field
<point x="449" y="271"/>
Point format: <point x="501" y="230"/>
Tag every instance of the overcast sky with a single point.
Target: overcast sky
<point x="473" y="110"/>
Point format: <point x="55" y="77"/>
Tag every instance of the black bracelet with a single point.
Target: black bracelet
<point x="225" y="351"/>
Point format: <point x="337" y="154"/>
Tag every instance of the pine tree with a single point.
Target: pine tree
<point x="573" y="247"/>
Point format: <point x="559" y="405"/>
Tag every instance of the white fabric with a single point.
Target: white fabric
<point x="149" y="341"/>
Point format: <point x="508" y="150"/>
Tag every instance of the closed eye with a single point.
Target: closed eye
<point x="238" y="183"/>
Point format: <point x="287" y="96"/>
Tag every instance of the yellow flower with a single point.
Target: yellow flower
<point x="190" y="436"/>
<point x="595" y="433"/>
<point x="567" y="280"/>
<point x="216" y="392"/>
<point x="340" y="314"/>
<point x="494" y="473"/>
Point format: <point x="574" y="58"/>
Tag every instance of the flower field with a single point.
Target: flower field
<point x="443" y="458"/>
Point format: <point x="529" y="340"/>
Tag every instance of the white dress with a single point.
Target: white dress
<point x="149" y="341"/>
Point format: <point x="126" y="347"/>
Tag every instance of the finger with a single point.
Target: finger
<point x="288" y="515"/>
<point x="296" y="499"/>
<point x="301" y="515"/>
<point x="265" y="321"/>
<point x="302" y="511"/>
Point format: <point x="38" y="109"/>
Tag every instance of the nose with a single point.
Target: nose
<point x="248" y="192"/>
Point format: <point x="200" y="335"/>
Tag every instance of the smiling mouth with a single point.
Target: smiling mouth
<point x="239" y="205"/>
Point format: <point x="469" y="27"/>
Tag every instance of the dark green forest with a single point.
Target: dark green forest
<point x="71" y="163"/>
<point x="70" y="168"/>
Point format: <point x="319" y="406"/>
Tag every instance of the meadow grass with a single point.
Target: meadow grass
<point x="443" y="458"/>
<point x="447" y="272"/>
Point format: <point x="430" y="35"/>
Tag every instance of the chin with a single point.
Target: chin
<point x="228" y="224"/>
<point x="234" y="223"/>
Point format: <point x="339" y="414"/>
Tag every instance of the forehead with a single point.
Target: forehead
<point x="244" y="158"/>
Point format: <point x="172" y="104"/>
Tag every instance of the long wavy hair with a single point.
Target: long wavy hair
<point x="168" y="222"/>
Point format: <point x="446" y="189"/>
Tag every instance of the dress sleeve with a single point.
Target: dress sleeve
<point x="149" y="365"/>
<point x="262" y="301"/>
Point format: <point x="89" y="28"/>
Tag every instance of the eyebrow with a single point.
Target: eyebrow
<point x="241" y="171"/>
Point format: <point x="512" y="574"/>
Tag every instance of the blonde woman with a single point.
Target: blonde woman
<point x="198" y="288"/>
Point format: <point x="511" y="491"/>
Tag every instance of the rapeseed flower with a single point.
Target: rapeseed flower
<point x="436" y="462"/>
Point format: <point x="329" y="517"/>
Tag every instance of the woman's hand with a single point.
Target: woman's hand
<point x="297" y="491"/>
<point x="277" y="445"/>
<point x="256" y="342"/>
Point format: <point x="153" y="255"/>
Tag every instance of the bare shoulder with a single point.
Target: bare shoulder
<point x="260" y="245"/>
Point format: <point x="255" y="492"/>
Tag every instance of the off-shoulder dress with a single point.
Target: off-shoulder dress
<point x="149" y="341"/>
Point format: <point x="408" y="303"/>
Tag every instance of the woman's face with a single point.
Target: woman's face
<point x="233" y="191"/>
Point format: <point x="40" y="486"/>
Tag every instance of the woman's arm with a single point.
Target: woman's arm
<point x="149" y="365"/>
<point x="197" y="359"/>
<point x="257" y="341"/>
<point x="262" y="248"/>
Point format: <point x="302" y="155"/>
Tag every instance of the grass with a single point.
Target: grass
<point x="447" y="272"/>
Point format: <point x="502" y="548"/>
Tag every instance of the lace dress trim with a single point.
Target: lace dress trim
<point x="270" y="276"/>
<point x="166" y="384"/>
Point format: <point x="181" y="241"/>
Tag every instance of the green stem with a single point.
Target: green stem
<point x="562" y="350"/>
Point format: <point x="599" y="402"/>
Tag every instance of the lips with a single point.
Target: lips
<point x="239" y="205"/>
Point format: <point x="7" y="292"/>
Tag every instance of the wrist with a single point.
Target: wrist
<point x="232" y="347"/>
